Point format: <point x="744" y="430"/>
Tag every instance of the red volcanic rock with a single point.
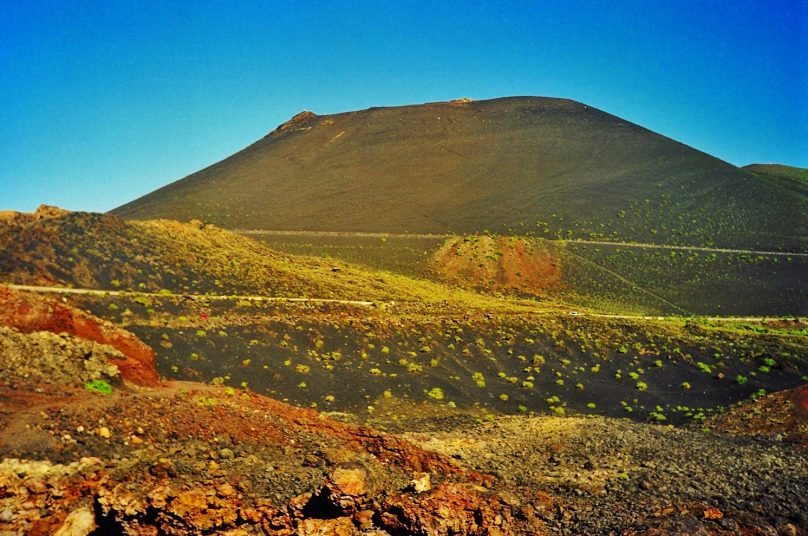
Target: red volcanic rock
<point x="30" y="312"/>
<point x="800" y="398"/>
<point x="454" y="509"/>
<point x="782" y="414"/>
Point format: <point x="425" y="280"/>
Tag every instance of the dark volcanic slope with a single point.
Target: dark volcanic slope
<point x="508" y="165"/>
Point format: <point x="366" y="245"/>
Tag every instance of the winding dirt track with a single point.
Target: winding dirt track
<point x="97" y="292"/>
<point x="346" y="234"/>
<point x="640" y="245"/>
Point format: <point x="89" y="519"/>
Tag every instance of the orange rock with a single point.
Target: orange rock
<point x="365" y="519"/>
<point x="225" y="490"/>
<point x="341" y="526"/>
<point x="349" y="481"/>
<point x="251" y="515"/>
<point x="713" y="513"/>
<point x="79" y="523"/>
<point x="420" y="482"/>
<point x="188" y="502"/>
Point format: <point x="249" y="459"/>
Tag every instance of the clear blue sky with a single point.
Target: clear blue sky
<point x="104" y="101"/>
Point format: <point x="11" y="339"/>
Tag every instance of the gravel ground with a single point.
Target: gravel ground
<point x="614" y="474"/>
<point x="59" y="359"/>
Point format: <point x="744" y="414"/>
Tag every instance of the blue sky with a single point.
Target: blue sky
<point x="104" y="101"/>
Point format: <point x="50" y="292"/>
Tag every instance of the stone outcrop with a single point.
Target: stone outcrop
<point x="29" y="313"/>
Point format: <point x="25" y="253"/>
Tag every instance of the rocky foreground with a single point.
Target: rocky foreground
<point x="92" y="442"/>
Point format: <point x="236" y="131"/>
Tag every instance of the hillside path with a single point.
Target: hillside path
<point x="571" y="312"/>
<point x="341" y="234"/>
<point x="97" y="292"/>
<point x="643" y="245"/>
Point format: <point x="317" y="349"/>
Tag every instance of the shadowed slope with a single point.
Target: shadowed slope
<point x="508" y="165"/>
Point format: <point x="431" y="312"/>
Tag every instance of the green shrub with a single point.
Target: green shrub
<point x="98" y="386"/>
<point x="436" y="393"/>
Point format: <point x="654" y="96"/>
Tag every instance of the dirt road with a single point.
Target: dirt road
<point x="641" y="245"/>
<point x="96" y="292"/>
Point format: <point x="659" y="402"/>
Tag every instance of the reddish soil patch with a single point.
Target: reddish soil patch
<point x="799" y="398"/>
<point x="29" y="312"/>
<point x="784" y="413"/>
<point x="498" y="263"/>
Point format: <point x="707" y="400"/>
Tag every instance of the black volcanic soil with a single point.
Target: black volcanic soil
<point x="362" y="359"/>
<point x="186" y="458"/>
<point x="190" y="458"/>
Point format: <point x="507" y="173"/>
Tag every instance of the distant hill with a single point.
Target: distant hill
<point x="793" y="178"/>
<point x="520" y="165"/>
<point x="779" y="170"/>
<point x="53" y="247"/>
